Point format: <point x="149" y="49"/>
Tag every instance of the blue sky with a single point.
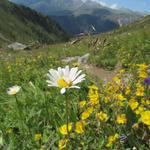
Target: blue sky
<point x="139" y="5"/>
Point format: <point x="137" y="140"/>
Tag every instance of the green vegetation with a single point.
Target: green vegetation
<point x="129" y="44"/>
<point x="22" y="24"/>
<point x="35" y="116"/>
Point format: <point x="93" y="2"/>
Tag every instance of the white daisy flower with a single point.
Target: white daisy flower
<point x="13" y="90"/>
<point x="65" y="78"/>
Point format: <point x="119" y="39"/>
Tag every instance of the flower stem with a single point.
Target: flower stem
<point x="19" y="111"/>
<point x="67" y="113"/>
<point x="67" y="117"/>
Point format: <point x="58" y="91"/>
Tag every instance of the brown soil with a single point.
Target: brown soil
<point x="101" y="73"/>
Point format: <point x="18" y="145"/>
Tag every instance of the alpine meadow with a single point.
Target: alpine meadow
<point x="74" y="75"/>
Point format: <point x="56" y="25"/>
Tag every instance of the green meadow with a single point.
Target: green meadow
<point x="98" y="116"/>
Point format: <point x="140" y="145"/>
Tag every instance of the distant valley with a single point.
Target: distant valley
<point x="76" y="16"/>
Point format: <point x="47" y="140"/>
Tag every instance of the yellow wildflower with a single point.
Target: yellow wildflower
<point x="9" y="130"/>
<point x="112" y="139"/>
<point x="93" y="87"/>
<point x="62" y="143"/>
<point x="133" y="104"/>
<point x="143" y="74"/>
<point x="63" y="128"/>
<point x="139" y="110"/>
<point x="102" y="116"/>
<point x="86" y="113"/>
<point x="94" y="99"/>
<point x="121" y="119"/>
<point x="140" y="91"/>
<point x="82" y="104"/>
<point x="117" y="80"/>
<point x="120" y="97"/>
<point x="128" y="91"/>
<point x="145" y="117"/>
<point x="79" y="127"/>
<point x="142" y="66"/>
<point x="38" y="137"/>
<point x="145" y="102"/>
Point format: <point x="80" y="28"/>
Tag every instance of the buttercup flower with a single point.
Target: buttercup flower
<point x="142" y="66"/>
<point x="133" y="104"/>
<point x="93" y="95"/>
<point x="62" y="143"/>
<point x="9" y="130"/>
<point x="79" y="127"/>
<point x="102" y="116"/>
<point x="86" y="114"/>
<point x="13" y="90"/>
<point x="82" y="104"/>
<point x="139" y="110"/>
<point x="112" y="139"/>
<point x="63" y="128"/>
<point x="121" y="119"/>
<point x="38" y="137"/>
<point x="65" y="78"/>
<point x="140" y="91"/>
<point x="145" y="117"/>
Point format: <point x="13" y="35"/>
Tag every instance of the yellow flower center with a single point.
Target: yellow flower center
<point x="63" y="84"/>
<point x="13" y="92"/>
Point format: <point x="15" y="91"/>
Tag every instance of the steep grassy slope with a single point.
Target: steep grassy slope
<point x="18" y="23"/>
<point x="128" y="44"/>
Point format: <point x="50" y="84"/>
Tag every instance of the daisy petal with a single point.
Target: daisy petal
<point x="79" y="79"/>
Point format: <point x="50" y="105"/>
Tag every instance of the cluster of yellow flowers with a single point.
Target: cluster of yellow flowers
<point x="111" y="106"/>
<point x="93" y="95"/>
<point x="112" y="139"/>
<point x="143" y="71"/>
<point x="124" y="93"/>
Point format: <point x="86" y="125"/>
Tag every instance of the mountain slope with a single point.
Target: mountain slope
<point x="18" y="23"/>
<point x="51" y="7"/>
<point x="127" y="45"/>
<point x="76" y="16"/>
<point x="85" y="24"/>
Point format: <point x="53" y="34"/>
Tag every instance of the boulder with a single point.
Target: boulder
<point x="80" y="59"/>
<point x="17" y="46"/>
<point x="84" y="58"/>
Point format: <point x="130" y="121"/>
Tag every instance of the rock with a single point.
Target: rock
<point x="84" y="58"/>
<point x="69" y="59"/>
<point x="80" y="59"/>
<point x="17" y="46"/>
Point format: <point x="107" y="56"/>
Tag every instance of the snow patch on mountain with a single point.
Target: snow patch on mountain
<point x="104" y="4"/>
